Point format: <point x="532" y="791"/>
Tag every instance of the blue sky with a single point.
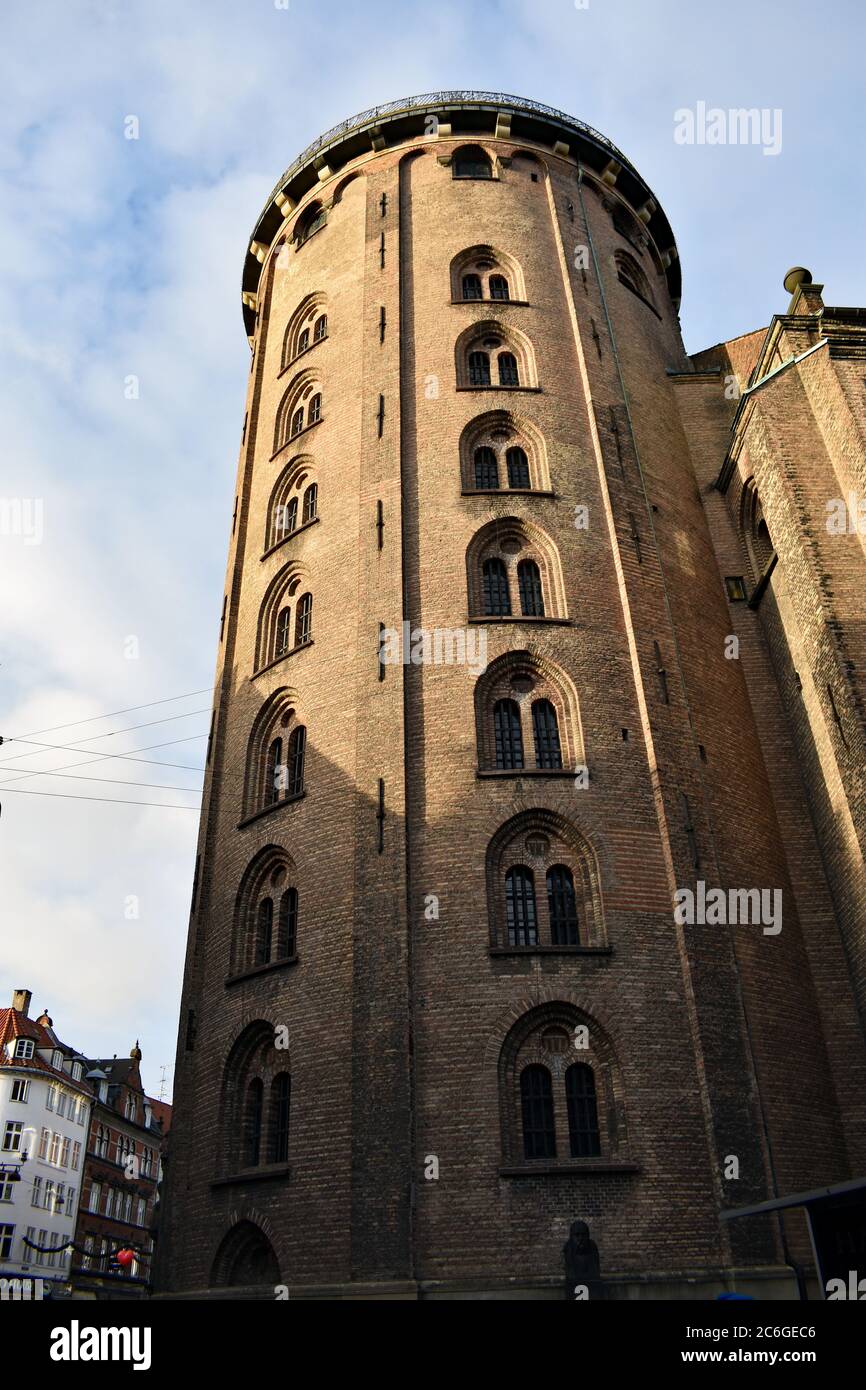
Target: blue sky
<point x="122" y="258"/>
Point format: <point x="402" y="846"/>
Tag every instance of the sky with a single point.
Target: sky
<point x="123" y="368"/>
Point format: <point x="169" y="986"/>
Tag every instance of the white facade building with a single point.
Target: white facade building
<point x="45" y="1105"/>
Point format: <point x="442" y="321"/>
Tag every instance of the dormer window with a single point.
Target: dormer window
<point x="57" y="1060"/>
<point x="23" y="1049"/>
<point x="76" y="1071"/>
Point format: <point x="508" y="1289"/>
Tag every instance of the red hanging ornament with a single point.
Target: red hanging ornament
<point x="125" y="1257"/>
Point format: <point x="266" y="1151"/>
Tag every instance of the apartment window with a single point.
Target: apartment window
<point x="55" y="1148"/>
<point x="20" y="1091"/>
<point x="50" y="1195"/>
<point x="76" y="1154"/>
<point x="64" y="1153"/>
<point x="140" y="1211"/>
<point x="6" y="1189"/>
<point x="109" y="1202"/>
<point x="44" y="1141"/>
<point x="23" y="1049"/>
<point x="12" y="1136"/>
<point x="6" y="1235"/>
<point x="61" y="1104"/>
<point x="95" y="1195"/>
<point x="27" y="1240"/>
<point x="36" y="1194"/>
<point x="41" y="1241"/>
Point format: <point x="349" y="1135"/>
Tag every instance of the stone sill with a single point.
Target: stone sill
<point x="521" y="303"/>
<point x="299" y="355"/>
<point x="506" y="492"/>
<point x="284" y="656"/>
<point x="290" y="535"/>
<point x="551" y="950"/>
<point x="264" y="1174"/>
<point x="510" y="772"/>
<point x="256" y="970"/>
<point x="267" y="810"/>
<point x="591" y="1166"/>
<point x="515" y="618"/>
<point x="492" y="386"/>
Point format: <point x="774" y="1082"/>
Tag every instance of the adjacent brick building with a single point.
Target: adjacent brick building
<point x="439" y="1001"/>
<point x="121" y="1174"/>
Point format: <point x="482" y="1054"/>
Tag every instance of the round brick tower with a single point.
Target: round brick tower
<point x="474" y="731"/>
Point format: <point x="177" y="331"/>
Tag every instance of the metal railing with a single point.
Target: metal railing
<point x="432" y="101"/>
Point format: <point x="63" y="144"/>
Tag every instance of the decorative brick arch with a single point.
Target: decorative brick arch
<point x="526" y="676"/>
<point x="540" y="839"/>
<point x="304" y="319"/>
<point x="303" y="394"/>
<point x="487" y="261"/>
<point x="246" y="1254"/>
<point x="284" y="590"/>
<point x="513" y="540"/>
<point x="543" y="1033"/>
<point x="501" y="430"/>
<point x="494" y="337"/>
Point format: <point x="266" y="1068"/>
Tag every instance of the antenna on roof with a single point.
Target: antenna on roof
<point x="162" y="1084"/>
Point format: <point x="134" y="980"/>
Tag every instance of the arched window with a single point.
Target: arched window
<point x="508" y="374"/>
<point x="472" y="162"/>
<point x="264" y="931"/>
<point x="583" y="1134"/>
<point x="520" y="913"/>
<point x="278" y="1119"/>
<point x="630" y="274"/>
<point x="286" y="519"/>
<point x="320" y="330"/>
<point x="304" y="621"/>
<point x="314" y="414"/>
<point x="529" y="586"/>
<point x="518" y="467"/>
<point x="486" y="273"/>
<point x="507" y="734"/>
<point x="498" y="287"/>
<point x="287" y="926"/>
<point x="307" y="326"/>
<point x="479" y="369"/>
<point x="275" y="774"/>
<point x="252" y="1136"/>
<point x="486" y="469"/>
<point x="297" y="421"/>
<point x="545" y="734"/>
<point x="295" y="761"/>
<point x="536" y="1103"/>
<point x="310" y="502"/>
<point x="284" y="620"/>
<point x="309" y="222"/>
<point x="303" y="340"/>
<point x="562" y="907"/>
<point x="472" y="287"/>
<point x="494" y="578"/>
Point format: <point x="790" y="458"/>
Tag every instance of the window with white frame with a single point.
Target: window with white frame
<point x="7" y="1234"/>
<point x="51" y="1098"/>
<point x="95" y="1194"/>
<point x="61" y="1103"/>
<point x="20" y="1091"/>
<point x="57" y="1059"/>
<point x="54" y="1150"/>
<point x="140" y="1212"/>
<point x="23" y="1049"/>
<point x="36" y="1194"/>
<point x="12" y="1136"/>
<point x="50" y="1194"/>
<point x="44" y="1141"/>
<point x="76" y="1071"/>
<point x="76" y="1154"/>
<point x="42" y="1240"/>
<point x="64" y="1153"/>
<point x="6" y="1188"/>
<point x="28" y="1239"/>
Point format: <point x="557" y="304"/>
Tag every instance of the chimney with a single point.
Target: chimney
<point x="21" y="1000"/>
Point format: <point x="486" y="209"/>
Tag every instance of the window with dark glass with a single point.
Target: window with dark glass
<point x="562" y="907"/>
<point x="315" y="411"/>
<point x="287" y="929"/>
<point x="264" y="931"/>
<point x="472" y="287"/>
<point x="295" y="761"/>
<point x="508" y="375"/>
<point x="274" y="772"/>
<point x="486" y="469"/>
<point x="583" y="1136"/>
<point x="281" y="644"/>
<point x="529" y="587"/>
<point x="507" y="734"/>
<point x="312" y="220"/>
<point x="498" y="287"/>
<point x="545" y="733"/>
<point x="304" y="621"/>
<point x="479" y="369"/>
<point x="518" y="467"/>
<point x="286" y="519"/>
<point x="303" y="340"/>
<point x="320" y="330"/>
<point x="298" y="420"/>
<point x="252" y="1136"/>
<point x="280" y="1105"/>
<point x="471" y="162"/>
<point x="536" y="1103"/>
<point x="520" y="914"/>
<point x="310" y="502"/>
<point x="497" y="600"/>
